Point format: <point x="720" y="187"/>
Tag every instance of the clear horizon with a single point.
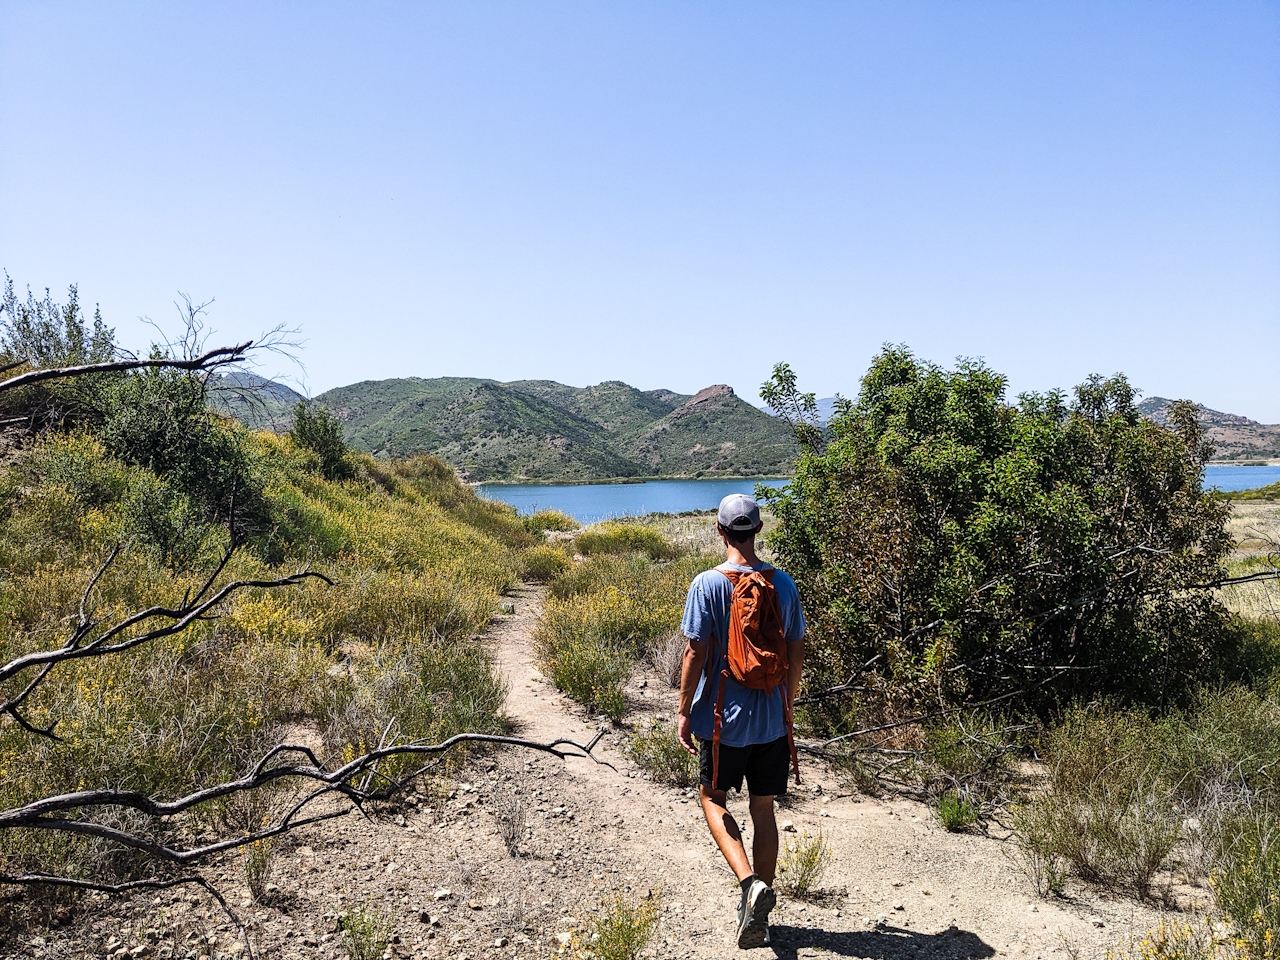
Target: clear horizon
<point x="667" y="196"/>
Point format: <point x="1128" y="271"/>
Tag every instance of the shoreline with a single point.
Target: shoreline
<point x="615" y="481"/>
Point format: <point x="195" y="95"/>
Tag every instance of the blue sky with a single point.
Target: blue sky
<point x="670" y="194"/>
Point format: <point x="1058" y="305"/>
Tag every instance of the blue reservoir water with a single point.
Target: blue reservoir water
<point x="589" y="503"/>
<point x="1228" y="479"/>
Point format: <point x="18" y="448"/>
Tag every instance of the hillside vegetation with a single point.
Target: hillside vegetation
<point x="542" y="430"/>
<point x="1234" y="437"/>
<point x="137" y="462"/>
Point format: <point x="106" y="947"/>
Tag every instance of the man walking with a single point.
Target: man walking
<point x="742" y="728"/>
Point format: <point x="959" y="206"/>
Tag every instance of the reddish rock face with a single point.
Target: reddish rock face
<point x="718" y="391"/>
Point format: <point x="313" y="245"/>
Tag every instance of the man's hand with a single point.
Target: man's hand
<point x="684" y="730"/>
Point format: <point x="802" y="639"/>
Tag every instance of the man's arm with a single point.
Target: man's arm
<point x="695" y="658"/>
<point x="795" y="660"/>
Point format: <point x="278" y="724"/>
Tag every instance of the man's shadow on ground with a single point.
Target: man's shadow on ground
<point x="884" y="942"/>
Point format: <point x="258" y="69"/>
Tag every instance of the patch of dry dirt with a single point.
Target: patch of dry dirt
<point x="904" y="887"/>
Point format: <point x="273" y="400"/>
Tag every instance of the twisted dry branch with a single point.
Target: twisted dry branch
<point x="46" y="813"/>
<point x="208" y="360"/>
<point x="87" y="640"/>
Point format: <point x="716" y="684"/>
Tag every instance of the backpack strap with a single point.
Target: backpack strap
<point x="715" y="733"/>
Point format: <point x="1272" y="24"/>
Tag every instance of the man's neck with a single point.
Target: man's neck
<point x="743" y="556"/>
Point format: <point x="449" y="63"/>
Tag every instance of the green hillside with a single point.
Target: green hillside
<point x="543" y="430"/>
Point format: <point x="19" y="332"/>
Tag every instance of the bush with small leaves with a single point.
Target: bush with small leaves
<point x="803" y="861"/>
<point x="366" y="931"/>
<point x="658" y="752"/>
<point x="620" y="930"/>
<point x="956" y="813"/>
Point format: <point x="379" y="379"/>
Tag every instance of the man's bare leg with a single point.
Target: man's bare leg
<point x="764" y="840"/>
<point x="725" y="832"/>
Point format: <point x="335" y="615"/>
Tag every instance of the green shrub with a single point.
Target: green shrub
<point x="620" y="931"/>
<point x="956" y="813"/>
<point x="543" y="563"/>
<point x="589" y="669"/>
<point x="366" y="931"/>
<point x="969" y="751"/>
<point x="1179" y="940"/>
<point x="603" y="614"/>
<point x="317" y="430"/>
<point x="1247" y="886"/>
<point x="658" y="751"/>
<point x="944" y="530"/>
<point x="545" y="520"/>
<point x="616" y="537"/>
<point x="388" y="651"/>
<point x="1109" y="812"/>
<point x="160" y="420"/>
<point x="802" y="864"/>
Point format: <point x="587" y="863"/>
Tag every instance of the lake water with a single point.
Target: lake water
<point x="1240" y="478"/>
<point x="591" y="502"/>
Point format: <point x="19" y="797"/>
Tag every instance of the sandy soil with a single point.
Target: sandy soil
<point x="902" y="887"/>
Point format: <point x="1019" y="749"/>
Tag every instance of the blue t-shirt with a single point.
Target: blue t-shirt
<point x="750" y="716"/>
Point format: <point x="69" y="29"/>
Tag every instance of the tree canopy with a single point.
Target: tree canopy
<point x="952" y="547"/>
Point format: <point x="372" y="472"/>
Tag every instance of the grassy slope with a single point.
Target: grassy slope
<point x="418" y="562"/>
<point x="542" y="430"/>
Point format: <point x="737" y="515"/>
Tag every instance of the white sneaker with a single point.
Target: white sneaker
<point x="753" y="915"/>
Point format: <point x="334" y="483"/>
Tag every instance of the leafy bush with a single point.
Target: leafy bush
<point x="317" y="430"/>
<point x="802" y="864"/>
<point x="389" y="650"/>
<point x="366" y="931"/>
<point x="545" y="520"/>
<point x="620" y="931"/>
<point x="543" y="563"/>
<point x="1109" y="811"/>
<point x="1125" y="788"/>
<point x="979" y="548"/>
<point x="956" y="813"/>
<point x="658" y="752"/>
<point x="1247" y="885"/>
<point x="602" y="615"/>
<point x="1178" y="940"/>
<point x="589" y="669"/>
<point x="37" y="334"/>
<point x="615" y="537"/>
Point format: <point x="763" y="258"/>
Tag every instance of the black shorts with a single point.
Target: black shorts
<point x="765" y="766"/>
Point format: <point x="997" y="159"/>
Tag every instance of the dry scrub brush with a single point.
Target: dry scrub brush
<point x="603" y="614"/>
<point x="359" y="672"/>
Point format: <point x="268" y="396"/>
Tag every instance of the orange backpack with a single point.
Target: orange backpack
<point x="757" y="654"/>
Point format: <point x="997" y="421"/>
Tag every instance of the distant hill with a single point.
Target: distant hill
<point x="543" y="430"/>
<point x="255" y="401"/>
<point x="1236" y="437"/>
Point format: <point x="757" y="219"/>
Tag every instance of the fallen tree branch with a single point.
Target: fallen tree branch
<point x="130" y="886"/>
<point x="219" y="357"/>
<point x="120" y="636"/>
<point x="42" y="814"/>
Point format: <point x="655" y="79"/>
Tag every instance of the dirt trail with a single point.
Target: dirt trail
<point x="903" y="887"/>
<point x="907" y="888"/>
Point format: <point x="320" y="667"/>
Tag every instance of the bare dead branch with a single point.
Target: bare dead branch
<point x="219" y="357"/>
<point x="120" y="636"/>
<point x="43" y="814"/>
<point x="130" y="886"/>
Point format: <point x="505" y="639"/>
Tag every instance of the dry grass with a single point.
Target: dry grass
<point x="388" y="652"/>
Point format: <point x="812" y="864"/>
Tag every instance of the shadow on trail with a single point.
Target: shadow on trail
<point x="883" y="943"/>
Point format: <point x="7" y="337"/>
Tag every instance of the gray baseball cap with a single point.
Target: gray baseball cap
<point x="739" y="512"/>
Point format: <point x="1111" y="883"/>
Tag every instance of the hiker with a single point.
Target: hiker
<point x="735" y="700"/>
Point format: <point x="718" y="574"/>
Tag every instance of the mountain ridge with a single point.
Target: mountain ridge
<point x="1236" y="437"/>
<point x="546" y="431"/>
